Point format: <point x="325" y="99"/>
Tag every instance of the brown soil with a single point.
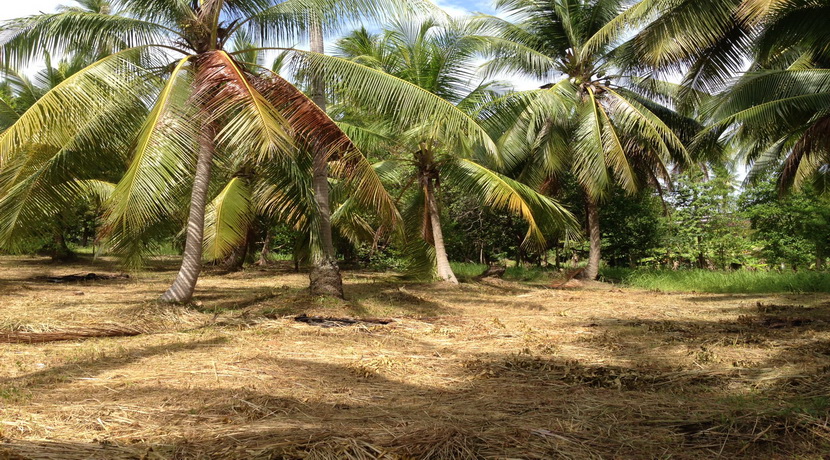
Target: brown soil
<point x="490" y="369"/>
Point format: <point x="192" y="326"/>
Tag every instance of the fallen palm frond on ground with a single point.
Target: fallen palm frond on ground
<point x="327" y="321"/>
<point x="87" y="277"/>
<point x="489" y="369"/>
<point x="67" y="334"/>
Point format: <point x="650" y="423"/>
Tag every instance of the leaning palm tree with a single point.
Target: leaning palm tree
<point x="183" y="103"/>
<point x="591" y="118"/>
<point x="440" y="57"/>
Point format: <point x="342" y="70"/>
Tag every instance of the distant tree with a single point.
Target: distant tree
<point x="634" y="227"/>
<point x="792" y="229"/>
<point x="440" y="58"/>
<point x="607" y="127"/>
<point x="705" y="227"/>
<point x="206" y="106"/>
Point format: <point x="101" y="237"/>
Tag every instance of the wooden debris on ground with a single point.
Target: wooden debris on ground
<point x="338" y="322"/>
<point x="493" y="271"/>
<point x="570" y="280"/>
<point x="67" y="334"/>
<point x="88" y="277"/>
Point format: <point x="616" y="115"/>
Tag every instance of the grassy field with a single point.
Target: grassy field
<point x="491" y="369"/>
<point x="722" y="282"/>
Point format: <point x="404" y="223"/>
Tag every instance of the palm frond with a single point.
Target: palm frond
<point x="402" y="103"/>
<point x="25" y="39"/>
<point x="544" y="216"/>
<point x="164" y="153"/>
<point x="227" y="220"/>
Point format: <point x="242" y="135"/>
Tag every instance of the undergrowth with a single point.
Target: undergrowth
<point x="720" y="282"/>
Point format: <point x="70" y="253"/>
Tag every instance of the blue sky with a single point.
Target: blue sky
<point x="18" y="8"/>
<point x="458" y="7"/>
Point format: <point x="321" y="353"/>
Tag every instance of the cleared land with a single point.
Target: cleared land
<point x="492" y="369"/>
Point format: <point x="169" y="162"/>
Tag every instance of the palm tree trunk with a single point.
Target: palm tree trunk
<point x="325" y="276"/>
<point x="442" y="262"/>
<point x="592" y="269"/>
<point x="60" y="251"/>
<point x="182" y="289"/>
<point x="237" y="258"/>
<point x="266" y="247"/>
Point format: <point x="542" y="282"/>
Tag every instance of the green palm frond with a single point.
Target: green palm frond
<point x="776" y="98"/>
<point x="227" y="220"/>
<point x="589" y="163"/>
<point x="57" y="117"/>
<point x="544" y="216"/>
<point x="350" y="223"/>
<point x="402" y="103"/>
<point x="164" y="153"/>
<point x="26" y="39"/>
<point x="366" y="189"/>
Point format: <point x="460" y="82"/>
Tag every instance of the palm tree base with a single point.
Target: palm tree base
<point x="326" y="280"/>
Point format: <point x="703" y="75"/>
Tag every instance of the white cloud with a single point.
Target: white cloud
<point x="19" y="8"/>
<point x="453" y="10"/>
<point x="458" y="8"/>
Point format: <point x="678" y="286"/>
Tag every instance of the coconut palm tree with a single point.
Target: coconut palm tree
<point x="591" y="118"/>
<point x="765" y="61"/>
<point x="29" y="205"/>
<point x="182" y="103"/>
<point x="439" y="56"/>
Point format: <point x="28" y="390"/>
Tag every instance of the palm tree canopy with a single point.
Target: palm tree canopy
<point x="764" y="63"/>
<point x="603" y="120"/>
<point x="172" y="76"/>
<point x="440" y="56"/>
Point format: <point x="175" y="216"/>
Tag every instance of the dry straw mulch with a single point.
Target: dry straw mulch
<point x="491" y="369"/>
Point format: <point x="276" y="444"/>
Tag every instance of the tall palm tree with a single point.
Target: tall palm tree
<point x="440" y="57"/>
<point x="592" y="118"/>
<point x="201" y="105"/>
<point x="325" y="276"/>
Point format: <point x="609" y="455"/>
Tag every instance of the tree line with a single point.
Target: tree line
<point x="200" y="123"/>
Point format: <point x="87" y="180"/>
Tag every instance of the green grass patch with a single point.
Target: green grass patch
<point x="467" y="270"/>
<point x="720" y="282"/>
<point x="527" y="274"/>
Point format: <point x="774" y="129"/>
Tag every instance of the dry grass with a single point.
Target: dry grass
<point x="488" y="370"/>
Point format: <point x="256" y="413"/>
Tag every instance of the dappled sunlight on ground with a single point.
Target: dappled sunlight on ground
<point x="492" y="369"/>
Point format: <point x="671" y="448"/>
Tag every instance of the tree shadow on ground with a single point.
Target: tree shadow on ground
<point x="501" y="406"/>
<point x="61" y="374"/>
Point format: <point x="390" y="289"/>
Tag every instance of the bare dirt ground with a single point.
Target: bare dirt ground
<point x="491" y="369"/>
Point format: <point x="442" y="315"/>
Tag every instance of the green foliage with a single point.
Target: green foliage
<point x="526" y="273"/>
<point x="106" y="136"/>
<point x="476" y="233"/>
<point x="792" y="229"/>
<point x="721" y="282"/>
<point x="633" y="227"/>
<point x="705" y="228"/>
<point x="467" y="270"/>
